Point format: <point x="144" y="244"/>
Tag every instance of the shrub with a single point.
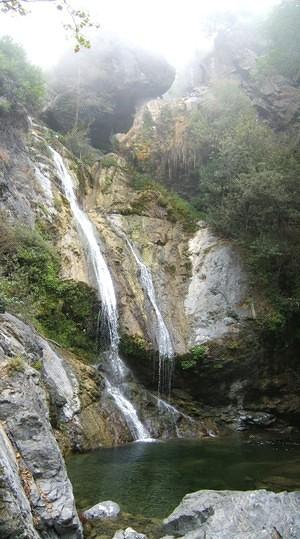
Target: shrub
<point x="38" y="365"/>
<point x="193" y="357"/>
<point x="177" y="208"/>
<point x="109" y="160"/>
<point x="16" y="364"/>
<point x="78" y="142"/>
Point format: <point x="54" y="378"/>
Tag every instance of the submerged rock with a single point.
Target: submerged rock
<point x="255" y="514"/>
<point x="259" y="419"/>
<point x="129" y="533"/>
<point x="102" y="510"/>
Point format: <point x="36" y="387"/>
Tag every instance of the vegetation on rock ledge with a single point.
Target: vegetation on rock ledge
<point x="31" y="287"/>
<point x="136" y="347"/>
<point x="176" y="207"/>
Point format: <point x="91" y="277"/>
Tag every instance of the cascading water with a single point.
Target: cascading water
<point x="164" y="342"/>
<point x="107" y="295"/>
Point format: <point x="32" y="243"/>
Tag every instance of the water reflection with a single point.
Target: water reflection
<point x="150" y="479"/>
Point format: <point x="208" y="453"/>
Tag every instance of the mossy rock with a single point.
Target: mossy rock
<point x="136" y="347"/>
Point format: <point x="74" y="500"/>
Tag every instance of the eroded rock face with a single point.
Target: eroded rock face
<point x="15" y="510"/>
<point x="15" y="194"/>
<point x="234" y="56"/>
<point x="225" y="514"/>
<point x="24" y="412"/>
<point x="43" y="396"/>
<point x="73" y="389"/>
<point x="162" y="244"/>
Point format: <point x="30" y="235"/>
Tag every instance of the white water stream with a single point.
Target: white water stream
<point x="107" y="295"/>
<point x="164" y="342"/>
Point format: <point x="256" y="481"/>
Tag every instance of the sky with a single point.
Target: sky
<point x="172" y="28"/>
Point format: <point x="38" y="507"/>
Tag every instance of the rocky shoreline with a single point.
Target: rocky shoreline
<point x="211" y="514"/>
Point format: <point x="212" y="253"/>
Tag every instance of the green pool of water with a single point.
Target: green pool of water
<point x="150" y="479"/>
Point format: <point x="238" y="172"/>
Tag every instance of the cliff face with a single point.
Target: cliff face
<point x="48" y="396"/>
<point x="199" y="282"/>
<point x="235" y="56"/>
<point x="188" y="269"/>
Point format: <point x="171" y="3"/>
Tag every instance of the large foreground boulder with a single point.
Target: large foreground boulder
<point x="255" y="514"/>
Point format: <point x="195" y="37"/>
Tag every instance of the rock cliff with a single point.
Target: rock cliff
<point x="51" y="400"/>
<point x="107" y="83"/>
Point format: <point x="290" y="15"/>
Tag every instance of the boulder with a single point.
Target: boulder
<point x="129" y="533"/>
<point x="256" y="514"/>
<point x="257" y="419"/>
<point x="102" y="510"/>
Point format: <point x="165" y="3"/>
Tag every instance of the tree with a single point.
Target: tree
<point x="284" y="41"/>
<point x="20" y="82"/>
<point x="77" y="20"/>
<point x="249" y="191"/>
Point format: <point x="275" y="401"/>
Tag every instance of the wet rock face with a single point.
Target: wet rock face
<point x="199" y="282"/>
<point x="161" y="245"/>
<point x="254" y="419"/>
<point x="30" y="192"/>
<point x="225" y="514"/>
<point x="73" y="389"/>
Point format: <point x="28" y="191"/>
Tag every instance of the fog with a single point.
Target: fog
<point x="172" y="28"/>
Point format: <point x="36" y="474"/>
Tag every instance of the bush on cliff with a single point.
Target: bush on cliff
<point x="31" y="287"/>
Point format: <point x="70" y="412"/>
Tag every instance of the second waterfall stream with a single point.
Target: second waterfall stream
<point x="106" y="293"/>
<point x="163" y="338"/>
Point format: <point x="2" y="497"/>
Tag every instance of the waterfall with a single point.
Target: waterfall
<point x="164" y="342"/>
<point x="107" y="295"/>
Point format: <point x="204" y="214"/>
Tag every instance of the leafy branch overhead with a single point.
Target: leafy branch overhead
<point x="75" y="21"/>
